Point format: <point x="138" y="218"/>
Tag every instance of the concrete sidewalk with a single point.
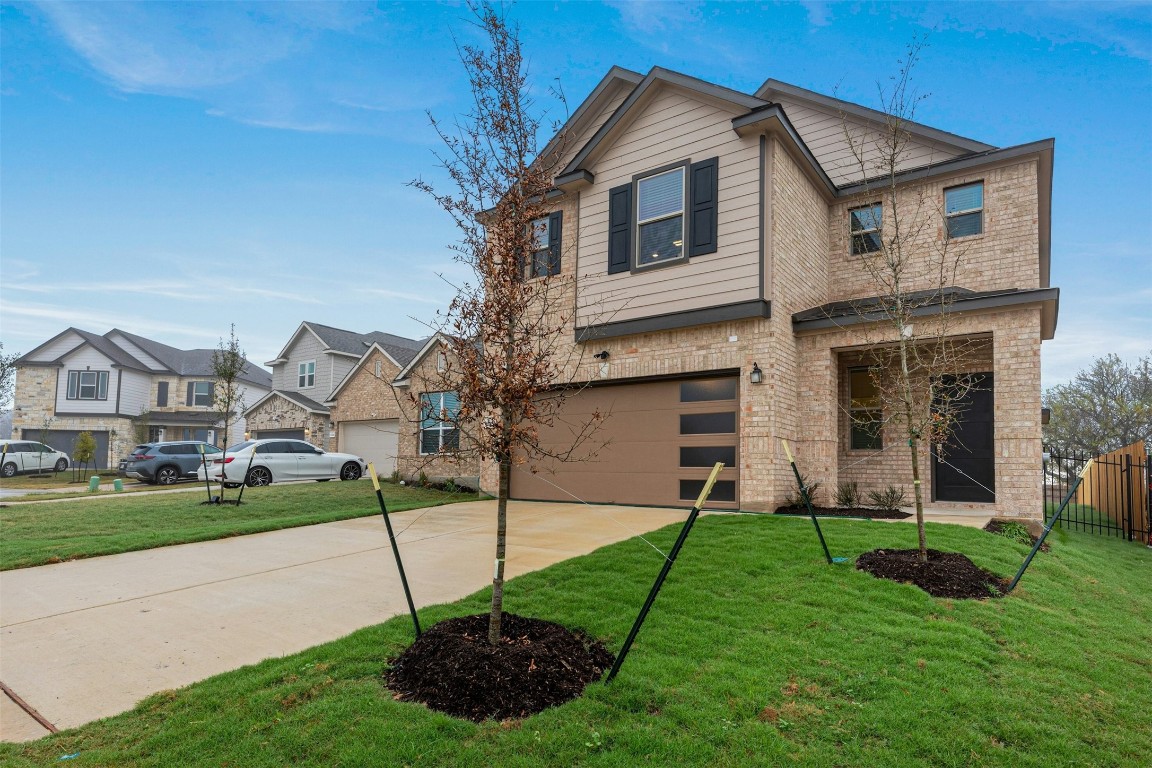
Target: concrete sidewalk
<point x="87" y="639"/>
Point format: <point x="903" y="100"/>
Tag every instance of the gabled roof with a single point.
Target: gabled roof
<point x="295" y="398"/>
<point x="656" y="77"/>
<point x="772" y="89"/>
<point x="433" y="342"/>
<point x="342" y="342"/>
<point x="588" y="109"/>
<point x="400" y="361"/>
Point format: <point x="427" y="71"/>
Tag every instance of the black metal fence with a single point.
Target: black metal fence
<point x="1115" y="498"/>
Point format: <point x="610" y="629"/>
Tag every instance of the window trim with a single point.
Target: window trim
<point x="948" y="217"/>
<point x="858" y="235"/>
<point x="442" y="423"/>
<point x="75" y="386"/>
<point x="306" y="375"/>
<point x="684" y="166"/>
<point x="196" y="396"/>
<point x="853" y="424"/>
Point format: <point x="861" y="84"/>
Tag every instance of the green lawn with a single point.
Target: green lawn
<point x="756" y="653"/>
<point x="39" y="533"/>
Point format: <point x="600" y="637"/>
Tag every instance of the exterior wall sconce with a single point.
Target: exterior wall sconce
<point x="307" y="433"/>
<point x="756" y="376"/>
<point x="601" y="355"/>
<point x="247" y="436"/>
<point x="1045" y="416"/>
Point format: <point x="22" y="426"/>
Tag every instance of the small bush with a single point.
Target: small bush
<point x="890" y="498"/>
<point x="394" y="478"/>
<point x="450" y="485"/>
<point x="1015" y="531"/>
<point x="796" y="499"/>
<point x="422" y="480"/>
<point x="847" y="494"/>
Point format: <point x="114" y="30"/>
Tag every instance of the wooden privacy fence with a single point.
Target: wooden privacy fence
<point x="1114" y="497"/>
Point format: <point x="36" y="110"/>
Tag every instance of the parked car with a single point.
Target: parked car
<point x="260" y="462"/>
<point x="30" y="456"/>
<point x="166" y="463"/>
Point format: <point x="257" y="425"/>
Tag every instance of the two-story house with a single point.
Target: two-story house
<point x="721" y="234"/>
<point x="122" y="388"/>
<point x="305" y="377"/>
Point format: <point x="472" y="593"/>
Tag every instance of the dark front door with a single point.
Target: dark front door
<point x="964" y="468"/>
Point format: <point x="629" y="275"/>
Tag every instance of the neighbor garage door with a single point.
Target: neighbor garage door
<point x="657" y="444"/>
<point x="376" y="441"/>
<point x="65" y="440"/>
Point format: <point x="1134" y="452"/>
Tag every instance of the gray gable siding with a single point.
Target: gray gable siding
<point x="307" y="347"/>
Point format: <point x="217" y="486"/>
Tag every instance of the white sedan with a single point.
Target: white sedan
<point x="260" y="462"/>
<point x="30" y="456"/>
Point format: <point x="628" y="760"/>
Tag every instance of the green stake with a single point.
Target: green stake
<point x="395" y="549"/>
<point x="808" y="503"/>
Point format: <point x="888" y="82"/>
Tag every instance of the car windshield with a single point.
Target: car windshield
<point x="240" y="446"/>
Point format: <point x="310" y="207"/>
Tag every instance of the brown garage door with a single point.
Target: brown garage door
<point x="658" y="443"/>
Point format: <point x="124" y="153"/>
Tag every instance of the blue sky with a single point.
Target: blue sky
<point x="171" y="168"/>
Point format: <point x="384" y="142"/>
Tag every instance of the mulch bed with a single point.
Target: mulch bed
<point x="879" y="514"/>
<point x="946" y="574"/>
<point x="453" y="669"/>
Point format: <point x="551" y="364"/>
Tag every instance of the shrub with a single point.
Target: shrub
<point x="450" y="485"/>
<point x="422" y="480"/>
<point x="890" y="498"/>
<point x="394" y="477"/>
<point x="796" y="499"/>
<point x="848" y="494"/>
<point x="1015" y="531"/>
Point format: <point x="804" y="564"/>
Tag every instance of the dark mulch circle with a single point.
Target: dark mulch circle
<point x="879" y="514"/>
<point x="453" y="669"/>
<point x="946" y="574"/>
<point x="1012" y="530"/>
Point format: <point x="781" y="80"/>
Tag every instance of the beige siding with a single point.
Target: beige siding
<point x="86" y="358"/>
<point x="823" y="130"/>
<point x="135" y="389"/>
<point x="55" y="349"/>
<point x="576" y="141"/>
<point x="137" y="352"/>
<point x="672" y="128"/>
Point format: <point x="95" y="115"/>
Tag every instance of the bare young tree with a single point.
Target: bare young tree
<point x="505" y="334"/>
<point x="228" y="364"/>
<point x="919" y="365"/>
<point x="7" y="375"/>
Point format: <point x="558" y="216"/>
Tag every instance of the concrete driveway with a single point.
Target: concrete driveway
<point x="87" y="639"/>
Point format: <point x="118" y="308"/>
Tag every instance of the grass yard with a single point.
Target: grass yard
<point x="756" y="653"/>
<point x="39" y="533"/>
<point x="54" y="480"/>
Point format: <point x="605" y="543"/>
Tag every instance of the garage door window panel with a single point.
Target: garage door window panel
<point x="722" y="490"/>
<point x="723" y="423"/>
<point x="707" y="455"/>
<point x="708" y="390"/>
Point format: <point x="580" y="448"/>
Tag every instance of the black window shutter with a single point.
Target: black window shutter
<point x="555" y="221"/>
<point x="191" y="393"/>
<point x="162" y="394"/>
<point x="702" y="194"/>
<point x="619" y="228"/>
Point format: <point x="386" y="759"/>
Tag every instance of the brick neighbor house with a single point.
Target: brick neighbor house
<point x="715" y="231"/>
<point x="122" y="388"/>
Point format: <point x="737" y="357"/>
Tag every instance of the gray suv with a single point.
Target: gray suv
<point x="166" y="463"/>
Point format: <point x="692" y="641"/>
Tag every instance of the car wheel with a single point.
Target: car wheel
<point x="258" y="476"/>
<point x="350" y="471"/>
<point x="167" y="476"/>
<point x="8" y="470"/>
<point x="61" y="465"/>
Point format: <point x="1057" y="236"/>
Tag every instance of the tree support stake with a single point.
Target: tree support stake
<point x="395" y="548"/>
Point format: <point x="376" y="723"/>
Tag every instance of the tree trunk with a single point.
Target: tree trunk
<point x="914" y="444"/>
<point x="501" y="544"/>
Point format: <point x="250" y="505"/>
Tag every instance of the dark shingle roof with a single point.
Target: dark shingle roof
<point x="400" y="348"/>
<point x="192" y="362"/>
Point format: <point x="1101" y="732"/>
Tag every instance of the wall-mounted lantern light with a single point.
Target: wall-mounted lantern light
<point x="756" y="376"/>
<point x="601" y="355"/>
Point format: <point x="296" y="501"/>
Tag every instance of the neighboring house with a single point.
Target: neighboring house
<point x="122" y="388"/>
<point x="305" y="375"/>
<point x="392" y="409"/>
<point x="715" y="230"/>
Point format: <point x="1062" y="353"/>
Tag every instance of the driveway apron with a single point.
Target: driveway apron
<point x="87" y="639"/>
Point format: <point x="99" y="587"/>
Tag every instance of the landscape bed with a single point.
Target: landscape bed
<point x="756" y="653"/>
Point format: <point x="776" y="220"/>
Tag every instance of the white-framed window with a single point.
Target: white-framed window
<point x="379" y="368"/>
<point x="438" y="431"/>
<point x="660" y="218"/>
<point x="87" y="385"/>
<point x="201" y="394"/>
<point x="865" y="225"/>
<point x="544" y="260"/>
<point x="964" y="210"/>
<point x="864" y="411"/>
<point x="306" y="375"/>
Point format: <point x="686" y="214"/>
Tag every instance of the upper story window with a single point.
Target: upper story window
<point x="964" y="210"/>
<point x="865" y="223"/>
<point x="544" y="260"/>
<point x="864" y="411"/>
<point x="438" y="430"/>
<point x="87" y="385"/>
<point x="162" y="394"/>
<point x="664" y="216"/>
<point x="306" y="375"/>
<point x="660" y="218"/>
<point x="200" y="393"/>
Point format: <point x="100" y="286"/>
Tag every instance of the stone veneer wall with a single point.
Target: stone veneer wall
<point x="278" y="413"/>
